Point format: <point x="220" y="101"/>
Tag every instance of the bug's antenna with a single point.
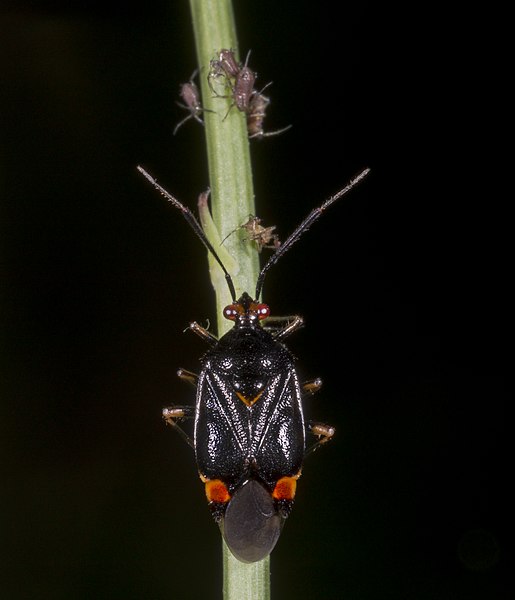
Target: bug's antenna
<point x="315" y="214"/>
<point x="194" y="224"/>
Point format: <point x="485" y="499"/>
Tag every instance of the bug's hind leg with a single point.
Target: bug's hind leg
<point x="311" y="387"/>
<point x="174" y="414"/>
<point x="323" y="432"/>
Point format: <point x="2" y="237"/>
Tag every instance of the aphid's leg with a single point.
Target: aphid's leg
<point x="263" y="134"/>
<point x="226" y="84"/>
<point x="195" y="114"/>
<point x="323" y="432"/>
<point x="230" y="108"/>
<point x="181" y="123"/>
<point x="312" y="386"/>
<point x="173" y="414"/>
<point x="203" y="333"/>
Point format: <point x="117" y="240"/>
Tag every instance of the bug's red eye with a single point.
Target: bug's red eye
<point x="263" y="311"/>
<point x="230" y="312"/>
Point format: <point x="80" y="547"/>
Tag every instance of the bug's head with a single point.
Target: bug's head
<point x="246" y="312"/>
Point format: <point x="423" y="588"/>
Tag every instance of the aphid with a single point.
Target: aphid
<point x="249" y="433"/>
<point x="263" y="236"/>
<point x="256" y="115"/>
<point x="243" y="89"/>
<point x="239" y="79"/>
<point x="225" y="66"/>
<point x="189" y="92"/>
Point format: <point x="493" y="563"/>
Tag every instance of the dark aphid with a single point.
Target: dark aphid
<point x="244" y="89"/>
<point x="190" y="94"/>
<point x="239" y="79"/>
<point x="249" y="433"/>
<point x="238" y="85"/>
<point x="256" y="115"/>
<point x="225" y="65"/>
<point x="224" y="71"/>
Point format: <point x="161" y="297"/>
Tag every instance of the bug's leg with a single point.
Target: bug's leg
<point x="203" y="333"/>
<point x="293" y="322"/>
<point x="312" y="386"/>
<point x="323" y="432"/>
<point x="187" y="376"/>
<point x="173" y="414"/>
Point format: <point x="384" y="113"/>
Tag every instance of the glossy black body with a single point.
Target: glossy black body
<point x="234" y="441"/>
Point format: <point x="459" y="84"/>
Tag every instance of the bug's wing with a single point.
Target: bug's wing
<point x="278" y="440"/>
<point x="221" y="431"/>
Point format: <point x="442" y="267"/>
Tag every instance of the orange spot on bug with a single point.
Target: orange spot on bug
<point x="285" y="488"/>
<point x="216" y="491"/>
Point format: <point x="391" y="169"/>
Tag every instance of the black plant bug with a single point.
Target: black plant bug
<point x="249" y="432"/>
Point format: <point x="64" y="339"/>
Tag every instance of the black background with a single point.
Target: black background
<point x="404" y="287"/>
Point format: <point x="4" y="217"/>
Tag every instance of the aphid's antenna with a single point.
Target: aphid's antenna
<point x="315" y="214"/>
<point x="194" y="224"/>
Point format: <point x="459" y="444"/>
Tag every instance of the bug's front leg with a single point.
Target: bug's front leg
<point x="187" y="376"/>
<point x="293" y="323"/>
<point x="203" y="333"/>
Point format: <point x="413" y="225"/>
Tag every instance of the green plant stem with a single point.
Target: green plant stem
<point x="232" y="201"/>
<point x="230" y="174"/>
